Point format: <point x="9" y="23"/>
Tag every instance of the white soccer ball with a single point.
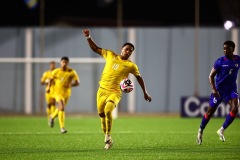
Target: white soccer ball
<point x="126" y="85"/>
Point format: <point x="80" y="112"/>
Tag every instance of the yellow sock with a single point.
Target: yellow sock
<point x="55" y="113"/>
<point x="103" y="124"/>
<point x="108" y="113"/>
<point x="61" y="118"/>
<point x="53" y="107"/>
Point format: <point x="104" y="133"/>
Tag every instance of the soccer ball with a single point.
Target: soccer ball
<point x="126" y="85"/>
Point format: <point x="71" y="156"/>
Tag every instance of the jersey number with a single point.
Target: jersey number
<point x="230" y="72"/>
<point x="115" y="66"/>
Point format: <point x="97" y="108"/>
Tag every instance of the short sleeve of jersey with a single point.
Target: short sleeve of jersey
<point x="44" y="77"/>
<point x="76" y="77"/>
<point x="135" y="71"/>
<point x="217" y="64"/>
<point x="107" y="53"/>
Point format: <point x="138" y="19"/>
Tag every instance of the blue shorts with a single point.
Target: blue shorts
<point x="214" y="102"/>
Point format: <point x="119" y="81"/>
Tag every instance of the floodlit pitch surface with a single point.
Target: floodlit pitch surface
<point x="135" y="138"/>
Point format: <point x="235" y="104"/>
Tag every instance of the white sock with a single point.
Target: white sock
<point x="107" y="137"/>
<point x="221" y="129"/>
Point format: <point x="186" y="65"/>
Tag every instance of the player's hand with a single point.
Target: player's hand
<point x="147" y="97"/>
<point x="216" y="93"/>
<point x="86" y="32"/>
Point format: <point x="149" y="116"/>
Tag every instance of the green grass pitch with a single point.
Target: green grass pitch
<point x="135" y="138"/>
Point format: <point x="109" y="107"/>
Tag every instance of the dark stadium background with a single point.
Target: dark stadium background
<point x="107" y="13"/>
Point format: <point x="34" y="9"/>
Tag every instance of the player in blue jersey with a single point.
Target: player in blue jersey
<point x="223" y="83"/>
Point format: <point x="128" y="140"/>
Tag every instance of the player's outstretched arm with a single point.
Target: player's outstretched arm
<point x="142" y="84"/>
<point x="91" y="43"/>
<point x="49" y="85"/>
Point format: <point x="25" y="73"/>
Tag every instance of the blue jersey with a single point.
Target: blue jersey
<point x="227" y="72"/>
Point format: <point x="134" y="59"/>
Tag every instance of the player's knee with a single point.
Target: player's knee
<point x="102" y="115"/>
<point x="235" y="110"/>
<point x="110" y="105"/>
<point x="110" y="101"/>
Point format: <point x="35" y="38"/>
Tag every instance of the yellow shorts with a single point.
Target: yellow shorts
<point x="64" y="96"/>
<point x="49" y="97"/>
<point x="103" y="96"/>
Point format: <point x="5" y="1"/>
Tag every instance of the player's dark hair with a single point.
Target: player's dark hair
<point x="65" y="58"/>
<point x="230" y="43"/>
<point x="130" y="44"/>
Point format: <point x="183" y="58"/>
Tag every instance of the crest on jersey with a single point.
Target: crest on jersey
<point x="236" y="65"/>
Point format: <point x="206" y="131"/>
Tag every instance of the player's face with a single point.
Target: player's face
<point x="52" y="66"/>
<point x="64" y="64"/>
<point x="228" y="50"/>
<point x="126" y="52"/>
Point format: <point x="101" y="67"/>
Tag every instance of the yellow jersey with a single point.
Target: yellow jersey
<point x="46" y="79"/>
<point x="63" y="79"/>
<point x="115" y="70"/>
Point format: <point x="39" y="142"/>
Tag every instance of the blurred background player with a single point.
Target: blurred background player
<point x="223" y="87"/>
<point x="117" y="68"/>
<point x="49" y="97"/>
<point x="65" y="78"/>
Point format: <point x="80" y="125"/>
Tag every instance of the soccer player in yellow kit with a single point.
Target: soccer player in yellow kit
<point x="49" y="97"/>
<point x="65" y="78"/>
<point x="117" y="68"/>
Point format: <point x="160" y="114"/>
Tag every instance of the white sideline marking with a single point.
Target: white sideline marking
<point x="89" y="132"/>
<point x="116" y="132"/>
